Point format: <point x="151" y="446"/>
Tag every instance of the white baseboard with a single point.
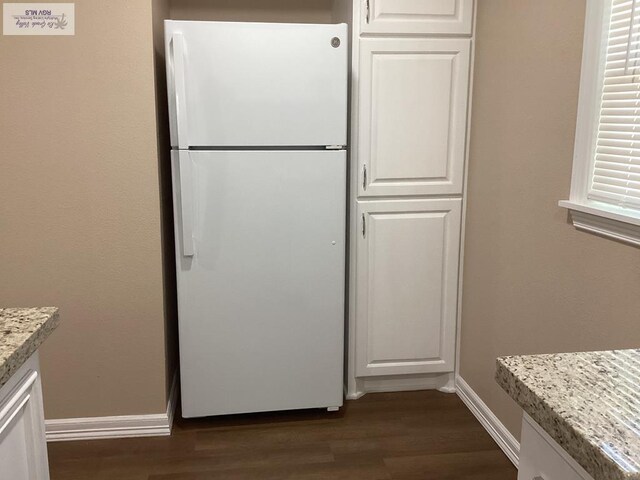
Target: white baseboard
<point x="507" y="442"/>
<point x="124" y="426"/>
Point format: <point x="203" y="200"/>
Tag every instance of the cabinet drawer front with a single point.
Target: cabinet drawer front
<point x="413" y="116"/>
<point x="407" y="277"/>
<point x="417" y="16"/>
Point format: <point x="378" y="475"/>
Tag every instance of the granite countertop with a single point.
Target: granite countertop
<point x="22" y="331"/>
<point x="589" y="403"/>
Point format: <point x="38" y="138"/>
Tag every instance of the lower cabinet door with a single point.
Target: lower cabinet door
<point x="541" y="458"/>
<point x="406" y="286"/>
<point x="23" y="449"/>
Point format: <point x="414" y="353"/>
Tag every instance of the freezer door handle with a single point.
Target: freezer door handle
<point x="186" y="202"/>
<point x="177" y="60"/>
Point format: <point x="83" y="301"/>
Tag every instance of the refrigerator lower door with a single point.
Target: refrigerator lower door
<point x="261" y="300"/>
<point x="256" y="84"/>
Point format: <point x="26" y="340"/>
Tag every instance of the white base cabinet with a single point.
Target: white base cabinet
<point x="23" y="447"/>
<point x="541" y="458"/>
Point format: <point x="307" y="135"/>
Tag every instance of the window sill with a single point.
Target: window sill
<point x="605" y="220"/>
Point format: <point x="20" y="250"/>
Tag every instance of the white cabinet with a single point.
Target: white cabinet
<point x="406" y="286"/>
<point x="541" y="458"/>
<point x="417" y="16"/>
<point x="413" y="116"/>
<point x="23" y="448"/>
<point x="410" y="101"/>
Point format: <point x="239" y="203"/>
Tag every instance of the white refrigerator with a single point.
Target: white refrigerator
<point x="258" y="126"/>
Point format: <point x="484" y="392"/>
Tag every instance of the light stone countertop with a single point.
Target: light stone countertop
<point x="589" y="403"/>
<point x="22" y="331"/>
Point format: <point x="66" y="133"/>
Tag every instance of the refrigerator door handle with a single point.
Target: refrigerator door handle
<point x="177" y="60"/>
<point x="186" y="202"/>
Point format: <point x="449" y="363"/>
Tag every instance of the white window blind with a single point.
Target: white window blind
<point x="616" y="173"/>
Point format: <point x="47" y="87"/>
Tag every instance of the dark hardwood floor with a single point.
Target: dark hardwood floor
<point x="409" y="435"/>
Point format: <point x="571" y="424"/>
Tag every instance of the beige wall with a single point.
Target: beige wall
<point x="532" y="283"/>
<point x="80" y="207"/>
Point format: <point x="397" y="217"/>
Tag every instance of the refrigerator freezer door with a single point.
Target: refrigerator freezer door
<point x="256" y="84"/>
<point x="261" y="301"/>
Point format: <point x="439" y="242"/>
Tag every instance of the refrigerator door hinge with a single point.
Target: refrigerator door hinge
<point x="364" y="176"/>
<point x="364" y="226"/>
<point x="334" y="147"/>
<point x="368" y="10"/>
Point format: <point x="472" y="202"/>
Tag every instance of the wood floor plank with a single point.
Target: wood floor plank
<point x="388" y="436"/>
<point x="353" y="470"/>
<point x="262" y="457"/>
<point x="483" y="465"/>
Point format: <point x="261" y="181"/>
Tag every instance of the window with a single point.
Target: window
<point x="605" y="187"/>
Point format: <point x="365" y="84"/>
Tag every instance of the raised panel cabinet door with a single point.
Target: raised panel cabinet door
<point x="406" y="286"/>
<point x="23" y="449"/>
<point x="413" y="116"/>
<point x="417" y="16"/>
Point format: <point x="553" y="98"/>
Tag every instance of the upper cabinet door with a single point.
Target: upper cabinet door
<point x="413" y="116"/>
<point x="417" y="16"/>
